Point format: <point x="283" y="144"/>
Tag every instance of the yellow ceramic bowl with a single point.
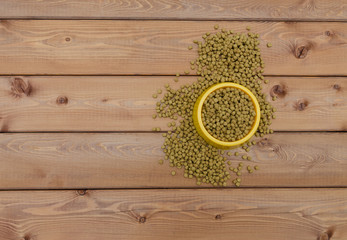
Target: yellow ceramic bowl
<point x="197" y="112"/>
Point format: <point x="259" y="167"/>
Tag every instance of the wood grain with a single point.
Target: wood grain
<point x="29" y="104"/>
<point x="239" y="214"/>
<point x="130" y="160"/>
<point x="296" y="10"/>
<point x="84" y="47"/>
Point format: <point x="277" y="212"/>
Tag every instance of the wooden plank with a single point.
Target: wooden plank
<point x="130" y="160"/>
<point x="126" y="103"/>
<point x="297" y="10"/>
<point x="160" y="47"/>
<point x="239" y="214"/>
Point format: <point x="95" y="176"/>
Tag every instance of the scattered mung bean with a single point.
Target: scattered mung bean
<point x="222" y="57"/>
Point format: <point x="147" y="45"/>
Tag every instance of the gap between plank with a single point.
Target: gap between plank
<point x="149" y="75"/>
<point x="160" y="132"/>
<point x="177" y="20"/>
<point x="158" y="188"/>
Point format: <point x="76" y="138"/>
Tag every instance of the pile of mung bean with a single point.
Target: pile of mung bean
<point x="223" y="56"/>
<point x="228" y="114"/>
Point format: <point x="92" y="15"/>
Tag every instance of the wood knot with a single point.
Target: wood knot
<point x="301" y="105"/>
<point x="301" y="52"/>
<point x="263" y="142"/>
<point x="67" y="39"/>
<point x="26" y="237"/>
<point x="218" y="217"/>
<point x="278" y="90"/>
<point x="62" y="100"/>
<point x="328" y="33"/>
<point x="142" y="219"/>
<point x="20" y="87"/>
<point x="328" y="234"/>
<point x="323" y="236"/>
<point x="81" y="192"/>
<point x="275" y="148"/>
<point x="337" y="87"/>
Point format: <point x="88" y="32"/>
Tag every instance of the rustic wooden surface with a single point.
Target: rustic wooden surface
<point x="130" y="160"/>
<point x="91" y="47"/>
<point x="76" y="107"/>
<point x="126" y="104"/>
<point x="293" y="10"/>
<point x="237" y="214"/>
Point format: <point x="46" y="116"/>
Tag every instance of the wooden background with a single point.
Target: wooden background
<point x="78" y="159"/>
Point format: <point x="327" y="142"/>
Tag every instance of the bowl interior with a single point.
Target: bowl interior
<point x="197" y="116"/>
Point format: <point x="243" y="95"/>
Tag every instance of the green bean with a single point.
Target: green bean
<point x="233" y="113"/>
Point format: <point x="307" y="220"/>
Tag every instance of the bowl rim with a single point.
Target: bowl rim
<point x="197" y="116"/>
